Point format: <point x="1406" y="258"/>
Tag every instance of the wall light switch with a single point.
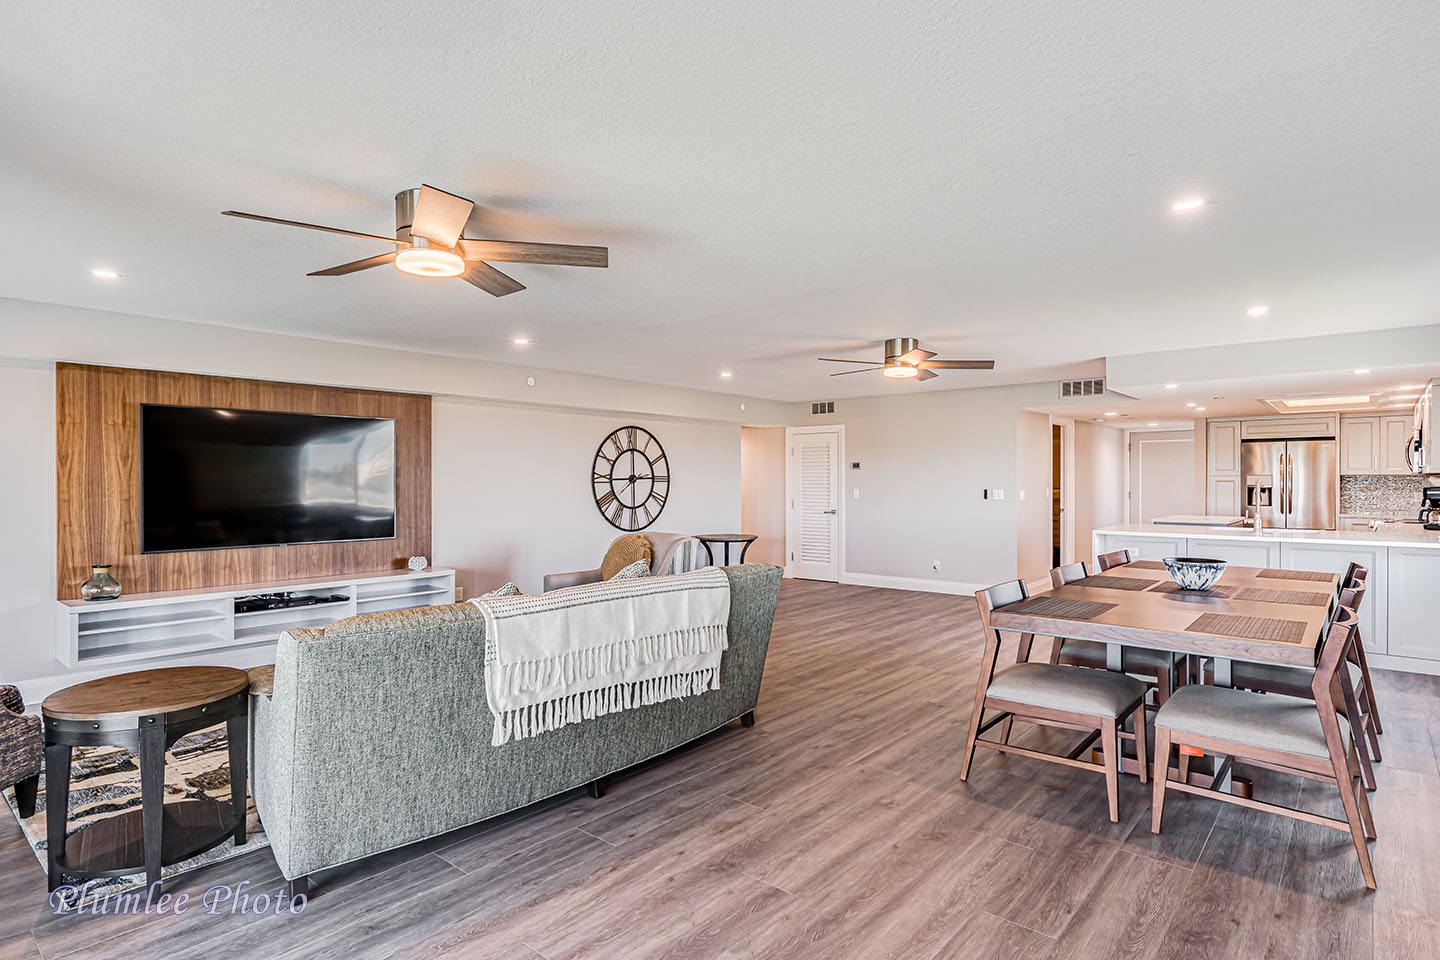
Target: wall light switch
<point x="459" y="593"/>
<point x="855" y="494"/>
<point x="1022" y="494"/>
<point x="999" y="493"/>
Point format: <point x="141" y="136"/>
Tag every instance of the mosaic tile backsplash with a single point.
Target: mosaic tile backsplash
<point x="1383" y="496"/>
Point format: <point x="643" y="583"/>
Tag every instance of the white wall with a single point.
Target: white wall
<point x="1099" y="486"/>
<point x="762" y="492"/>
<point x="1033" y="534"/>
<point x="27" y="515"/>
<point x="926" y="458"/>
<point x="511" y="488"/>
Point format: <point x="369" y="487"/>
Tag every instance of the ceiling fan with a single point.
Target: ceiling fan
<point x="428" y="243"/>
<point x="904" y="360"/>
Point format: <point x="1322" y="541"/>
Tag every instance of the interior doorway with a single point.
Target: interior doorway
<point x="1162" y="475"/>
<point x="762" y="492"/>
<point x="815" y="501"/>
<point x="1056" y="482"/>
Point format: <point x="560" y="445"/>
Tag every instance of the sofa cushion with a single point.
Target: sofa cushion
<point x="624" y="552"/>
<point x="633" y="571"/>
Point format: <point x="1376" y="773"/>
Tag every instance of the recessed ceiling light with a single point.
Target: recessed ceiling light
<point x="1199" y="409"/>
<point x="1188" y="204"/>
<point x="1190" y="404"/>
<point x="1259" y="310"/>
<point x="1363" y="370"/>
<point x="726" y="374"/>
<point x="103" y="273"/>
<point x="520" y="341"/>
<point x="1172" y="386"/>
<point x="1152" y="424"/>
<point x="1112" y="413"/>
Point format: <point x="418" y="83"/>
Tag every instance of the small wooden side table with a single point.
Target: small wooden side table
<point x="744" y="539"/>
<point x="145" y="712"/>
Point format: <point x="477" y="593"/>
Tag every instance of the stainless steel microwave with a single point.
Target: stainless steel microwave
<point x="1421" y="451"/>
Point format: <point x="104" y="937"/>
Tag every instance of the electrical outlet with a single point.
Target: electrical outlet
<point x="935" y="565"/>
<point x="999" y="494"/>
<point x="855" y="494"/>
<point x="1022" y="494"/>
<point x="459" y="593"/>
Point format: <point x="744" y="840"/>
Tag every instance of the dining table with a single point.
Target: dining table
<point x="1258" y="614"/>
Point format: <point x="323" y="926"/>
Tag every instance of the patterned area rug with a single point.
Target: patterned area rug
<point x="106" y="780"/>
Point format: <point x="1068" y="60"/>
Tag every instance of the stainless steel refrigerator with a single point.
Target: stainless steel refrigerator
<point x="1291" y="483"/>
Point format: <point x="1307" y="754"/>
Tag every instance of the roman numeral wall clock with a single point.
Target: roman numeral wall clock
<point x="630" y="478"/>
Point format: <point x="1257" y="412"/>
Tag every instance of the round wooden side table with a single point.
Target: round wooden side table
<point x="743" y="539"/>
<point x="145" y="712"/>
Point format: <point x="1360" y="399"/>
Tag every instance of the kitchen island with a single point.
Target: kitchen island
<point x="1397" y="619"/>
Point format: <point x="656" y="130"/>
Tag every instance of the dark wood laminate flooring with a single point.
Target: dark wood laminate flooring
<point x="837" y="828"/>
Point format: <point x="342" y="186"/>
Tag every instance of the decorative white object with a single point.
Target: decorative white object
<point x="418" y="563"/>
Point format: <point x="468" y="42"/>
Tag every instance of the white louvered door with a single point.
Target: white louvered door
<point x="815" y="473"/>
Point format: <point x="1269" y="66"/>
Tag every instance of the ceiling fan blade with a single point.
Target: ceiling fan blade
<point x="307" y="226"/>
<point x="925" y="375"/>
<point x="916" y="355"/>
<point x="958" y="364"/>
<point x="439" y="216"/>
<point x="490" y="280"/>
<point x="558" y="254"/>
<point x="868" y="363"/>
<point x="846" y="373"/>
<point x="354" y="266"/>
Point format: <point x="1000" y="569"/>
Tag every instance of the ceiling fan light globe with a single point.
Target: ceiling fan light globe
<point x="430" y="262"/>
<point x="901" y="371"/>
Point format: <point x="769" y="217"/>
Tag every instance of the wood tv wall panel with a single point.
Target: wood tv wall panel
<point x="98" y="457"/>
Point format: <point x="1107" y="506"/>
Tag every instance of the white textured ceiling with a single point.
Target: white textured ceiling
<point x="776" y="181"/>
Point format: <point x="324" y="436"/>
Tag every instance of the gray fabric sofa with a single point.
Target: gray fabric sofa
<point x="377" y="732"/>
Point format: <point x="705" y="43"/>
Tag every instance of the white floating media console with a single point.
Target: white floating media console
<point x="152" y="625"/>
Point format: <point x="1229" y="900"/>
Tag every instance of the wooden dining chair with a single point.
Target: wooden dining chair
<point x="1308" y="738"/>
<point x="1093" y="701"/>
<point x="1160" y="667"/>
<point x="1359" y="576"/>
<point x="1358" y="700"/>
<point x="1115" y="558"/>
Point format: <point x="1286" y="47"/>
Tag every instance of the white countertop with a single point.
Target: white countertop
<point x="1196" y="520"/>
<point x="1391" y="534"/>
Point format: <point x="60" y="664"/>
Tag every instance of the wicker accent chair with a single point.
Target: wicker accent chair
<point x="20" y="749"/>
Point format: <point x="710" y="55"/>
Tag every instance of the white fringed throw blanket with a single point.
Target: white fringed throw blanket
<point x="557" y="658"/>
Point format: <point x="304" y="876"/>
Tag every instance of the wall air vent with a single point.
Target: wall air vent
<point x="1094" y="387"/>
<point x="822" y="406"/>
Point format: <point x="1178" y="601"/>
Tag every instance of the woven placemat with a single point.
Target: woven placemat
<point x="1299" y="597"/>
<point x="1249" y="628"/>
<point x="1293" y="575"/>
<point x="1113" y="583"/>
<point x="1146" y="565"/>
<point x="1170" y="586"/>
<point x="1060" y="607"/>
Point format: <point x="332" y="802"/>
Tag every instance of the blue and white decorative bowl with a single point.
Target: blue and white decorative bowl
<point x="1194" y="573"/>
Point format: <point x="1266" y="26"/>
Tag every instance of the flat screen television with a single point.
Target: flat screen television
<point x="212" y="478"/>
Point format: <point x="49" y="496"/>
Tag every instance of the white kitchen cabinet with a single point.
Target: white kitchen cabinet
<point x="1223" y="498"/>
<point x="1245" y="553"/>
<point x="1222" y="448"/>
<point x="1142" y="547"/>
<point x="1414" y="573"/>
<point x="1359" y="445"/>
<point x="1288" y="428"/>
<point x="1394" y="437"/>
<point x="1334" y="558"/>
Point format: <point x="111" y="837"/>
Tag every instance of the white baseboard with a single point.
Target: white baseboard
<point x="956" y="587"/>
<point x="1381" y="661"/>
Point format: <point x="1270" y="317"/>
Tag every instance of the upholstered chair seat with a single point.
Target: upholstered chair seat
<point x="1093" y="692"/>
<point x="1273" y="721"/>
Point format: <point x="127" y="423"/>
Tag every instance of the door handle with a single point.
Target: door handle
<point x="832" y="511"/>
